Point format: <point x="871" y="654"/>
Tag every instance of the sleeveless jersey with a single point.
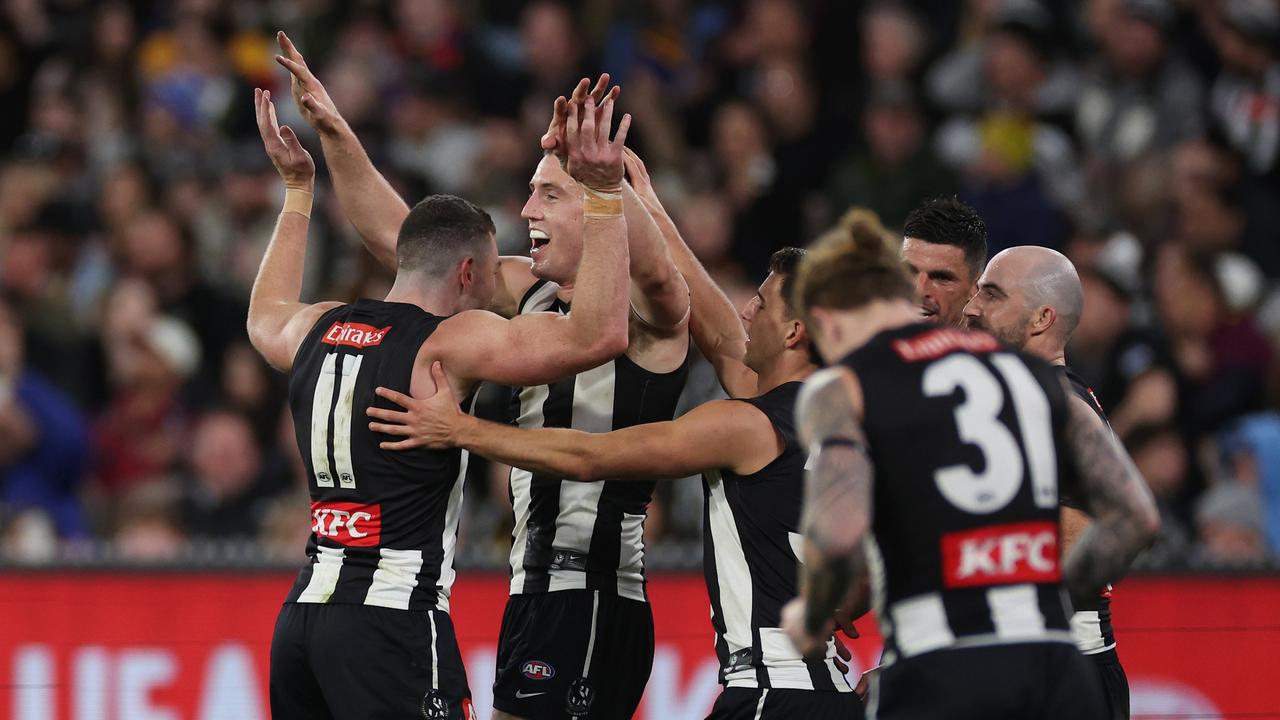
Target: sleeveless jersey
<point x="1091" y="623"/>
<point x="751" y="545"/>
<point x="383" y="523"/>
<point x="572" y="535"/>
<point x="962" y="434"/>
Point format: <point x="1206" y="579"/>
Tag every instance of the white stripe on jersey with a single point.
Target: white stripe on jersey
<point x="321" y="401"/>
<point x="1015" y="612"/>
<point x="531" y="400"/>
<point x="920" y="624"/>
<point x="435" y="655"/>
<point x="1086" y="630"/>
<point x="591" y="639"/>
<point x="394" y="580"/>
<point x="579" y="502"/>
<point x="342" y="421"/>
<point x="631" y="555"/>
<point x="760" y="705"/>
<point x="449" y="537"/>
<point x="733" y="576"/>
<point x="324" y="575"/>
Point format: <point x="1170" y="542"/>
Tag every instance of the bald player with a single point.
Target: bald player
<point x="1030" y="298"/>
<point x="944" y="245"/>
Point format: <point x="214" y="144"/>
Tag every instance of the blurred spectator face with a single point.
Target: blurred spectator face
<point x="786" y="97"/>
<point x="706" y="223"/>
<point x="554" y="214"/>
<point x="1105" y="316"/>
<point x="113" y="33"/>
<point x="1134" y="46"/>
<point x="1013" y="69"/>
<point x="1187" y="301"/>
<point x="892" y="43"/>
<point x="24" y="187"/>
<point x="354" y="91"/>
<point x="11" y="343"/>
<point x="244" y="377"/>
<point x="894" y="132"/>
<point x="943" y="280"/>
<point x="777" y="26"/>
<point x="425" y="22"/>
<point x="550" y="47"/>
<point x="1242" y="55"/>
<point x="24" y="270"/>
<point x="224" y="454"/>
<point x="1229" y="517"/>
<point x="153" y="247"/>
<point x="124" y="195"/>
<point x="737" y="134"/>
<point x="1206" y="221"/>
<point x="1162" y="460"/>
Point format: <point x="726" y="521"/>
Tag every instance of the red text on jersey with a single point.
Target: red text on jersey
<point x="350" y="524"/>
<point x="1001" y="554"/>
<point x="357" y="335"/>
<point x="936" y="343"/>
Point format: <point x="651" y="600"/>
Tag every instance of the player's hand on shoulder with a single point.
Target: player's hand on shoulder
<point x="427" y="422"/>
<point x="291" y="160"/>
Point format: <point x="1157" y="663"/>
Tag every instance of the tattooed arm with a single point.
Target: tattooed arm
<point x="1124" y="513"/>
<point x="837" y="507"/>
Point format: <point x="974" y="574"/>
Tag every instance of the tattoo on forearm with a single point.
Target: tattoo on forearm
<point x="1118" y="500"/>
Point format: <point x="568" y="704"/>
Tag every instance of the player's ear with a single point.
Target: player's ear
<point x="467" y="273"/>
<point x="1043" y="319"/>
<point x="796" y="334"/>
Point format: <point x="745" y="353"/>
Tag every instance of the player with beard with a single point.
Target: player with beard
<point x="578" y="588"/>
<point x="753" y="473"/>
<point x="1030" y="298"/>
<point x="957" y="537"/>
<point x="945" y="246"/>
<point x="366" y="632"/>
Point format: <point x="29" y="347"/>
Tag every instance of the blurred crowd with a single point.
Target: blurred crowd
<point x="1140" y="137"/>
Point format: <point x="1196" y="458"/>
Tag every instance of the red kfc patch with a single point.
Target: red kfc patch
<point x="350" y="524"/>
<point x="1001" y="555"/>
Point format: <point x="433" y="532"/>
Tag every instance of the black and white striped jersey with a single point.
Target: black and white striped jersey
<point x="383" y="524"/>
<point x="572" y="535"/>
<point x="1091" y="622"/>
<point x="751" y="548"/>
<point x="963" y="436"/>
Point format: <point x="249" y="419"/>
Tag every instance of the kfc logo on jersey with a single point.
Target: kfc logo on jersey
<point x="356" y="335"/>
<point x="1001" y="554"/>
<point x="350" y="524"/>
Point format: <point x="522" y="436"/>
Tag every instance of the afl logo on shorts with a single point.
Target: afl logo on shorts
<point x="434" y="706"/>
<point x="538" y="670"/>
<point x="578" y="701"/>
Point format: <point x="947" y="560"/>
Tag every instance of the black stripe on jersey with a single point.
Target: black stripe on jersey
<point x="356" y="574"/>
<point x="535" y="287"/>
<point x="544" y="493"/>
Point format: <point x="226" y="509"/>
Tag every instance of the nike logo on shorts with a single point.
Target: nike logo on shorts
<point x="520" y="694"/>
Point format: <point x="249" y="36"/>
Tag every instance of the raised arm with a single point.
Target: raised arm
<point x="660" y="294"/>
<point x="1124" y="513"/>
<point x="720" y="434"/>
<point x="715" y="324"/>
<point x="837" y="507"/>
<point x="278" y="320"/>
<point x="368" y="200"/>
<point x="539" y="348"/>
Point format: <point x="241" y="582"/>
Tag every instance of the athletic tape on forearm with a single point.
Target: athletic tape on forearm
<point x="598" y="204"/>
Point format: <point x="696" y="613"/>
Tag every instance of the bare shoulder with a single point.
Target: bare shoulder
<point x="829" y="399"/>
<point x="658" y="351"/>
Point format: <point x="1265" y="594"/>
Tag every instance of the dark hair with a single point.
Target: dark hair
<point x="851" y="265"/>
<point x="439" y="232"/>
<point x="947" y="221"/>
<point x="786" y="262"/>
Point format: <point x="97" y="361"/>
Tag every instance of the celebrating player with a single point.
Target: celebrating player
<point x="365" y="632"/>
<point x="577" y="557"/>
<point x="1030" y="298"/>
<point x="959" y="536"/>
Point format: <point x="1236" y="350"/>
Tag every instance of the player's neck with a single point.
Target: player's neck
<point x="432" y="297"/>
<point x="565" y="293"/>
<point x="1051" y="352"/>
<point x="856" y="327"/>
<point x="790" y="366"/>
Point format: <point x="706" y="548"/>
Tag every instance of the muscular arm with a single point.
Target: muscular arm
<point x="660" y="294"/>
<point x="278" y="321"/>
<point x="1125" y="516"/>
<point x="714" y="323"/>
<point x="837" y="507"/>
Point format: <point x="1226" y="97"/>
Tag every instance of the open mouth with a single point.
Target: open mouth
<point x="538" y="240"/>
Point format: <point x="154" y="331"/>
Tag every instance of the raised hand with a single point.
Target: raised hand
<point x="593" y="159"/>
<point x="292" y="161"/>
<point x="425" y="422"/>
<point x="554" y="139"/>
<point x="638" y="175"/>
<point x="309" y="95"/>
